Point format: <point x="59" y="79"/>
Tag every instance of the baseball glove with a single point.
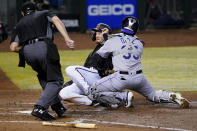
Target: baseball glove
<point x="104" y="73"/>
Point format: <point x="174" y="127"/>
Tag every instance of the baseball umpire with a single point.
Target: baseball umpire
<point x="33" y="38"/>
<point x="127" y="50"/>
<point x="85" y="76"/>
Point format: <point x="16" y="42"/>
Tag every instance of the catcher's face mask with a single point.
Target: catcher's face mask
<point x="99" y="37"/>
<point x="99" y="28"/>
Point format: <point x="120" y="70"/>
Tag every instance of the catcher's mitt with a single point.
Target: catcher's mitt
<point x="104" y="73"/>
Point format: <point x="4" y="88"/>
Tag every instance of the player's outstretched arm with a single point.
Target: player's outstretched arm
<point x="60" y="26"/>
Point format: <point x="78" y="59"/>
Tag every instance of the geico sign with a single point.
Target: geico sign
<point x="126" y="9"/>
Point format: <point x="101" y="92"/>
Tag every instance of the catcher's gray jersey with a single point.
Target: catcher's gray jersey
<point x="126" y="50"/>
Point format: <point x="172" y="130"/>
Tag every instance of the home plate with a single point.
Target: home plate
<point x="25" y="112"/>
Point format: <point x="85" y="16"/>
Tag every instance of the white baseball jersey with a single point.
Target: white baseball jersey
<point x="126" y="50"/>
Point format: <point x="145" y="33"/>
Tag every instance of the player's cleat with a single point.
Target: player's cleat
<point x="42" y="113"/>
<point x="177" y="98"/>
<point x="130" y="98"/>
<point x="59" y="109"/>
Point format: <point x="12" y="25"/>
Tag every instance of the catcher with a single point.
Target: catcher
<point x="84" y="76"/>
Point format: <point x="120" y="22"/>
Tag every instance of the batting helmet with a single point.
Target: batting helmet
<point x="99" y="28"/>
<point x="28" y="8"/>
<point x="130" y="25"/>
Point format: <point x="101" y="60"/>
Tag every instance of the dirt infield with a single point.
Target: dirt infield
<point x="15" y="108"/>
<point x="16" y="105"/>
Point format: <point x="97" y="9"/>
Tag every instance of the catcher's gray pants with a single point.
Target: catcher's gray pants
<point x="113" y="85"/>
<point x="35" y="55"/>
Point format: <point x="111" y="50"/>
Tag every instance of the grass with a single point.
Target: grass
<point x="172" y="68"/>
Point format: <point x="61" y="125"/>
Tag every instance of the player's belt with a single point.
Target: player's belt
<point x="126" y="72"/>
<point x="35" y="40"/>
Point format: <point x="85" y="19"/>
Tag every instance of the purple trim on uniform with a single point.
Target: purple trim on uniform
<point x="136" y="47"/>
<point x="123" y="46"/>
<point x="118" y="98"/>
<point x="85" y="69"/>
<point x="127" y="31"/>
<point x="77" y="68"/>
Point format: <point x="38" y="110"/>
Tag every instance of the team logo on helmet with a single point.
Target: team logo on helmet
<point x="130" y="25"/>
<point x="131" y="22"/>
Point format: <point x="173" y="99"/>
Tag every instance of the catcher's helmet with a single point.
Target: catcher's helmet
<point x="129" y="25"/>
<point x="28" y="8"/>
<point x="99" y="28"/>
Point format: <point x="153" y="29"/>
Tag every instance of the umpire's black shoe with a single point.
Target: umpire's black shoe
<point x="58" y="108"/>
<point x="42" y="113"/>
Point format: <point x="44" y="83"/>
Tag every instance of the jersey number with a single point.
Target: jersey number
<point x="129" y="55"/>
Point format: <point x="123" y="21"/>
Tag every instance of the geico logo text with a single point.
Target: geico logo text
<point x="117" y="9"/>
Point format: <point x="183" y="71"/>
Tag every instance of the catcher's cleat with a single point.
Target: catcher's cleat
<point x="59" y="109"/>
<point x="42" y="113"/>
<point x="130" y="98"/>
<point x="177" y="98"/>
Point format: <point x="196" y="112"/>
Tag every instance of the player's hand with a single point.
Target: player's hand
<point x="109" y="72"/>
<point x="70" y="44"/>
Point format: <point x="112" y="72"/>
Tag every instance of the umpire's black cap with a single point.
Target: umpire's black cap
<point x="101" y="26"/>
<point x="28" y="7"/>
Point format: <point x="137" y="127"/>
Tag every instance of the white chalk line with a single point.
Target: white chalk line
<point x="103" y="122"/>
<point x="3" y="114"/>
<point x="28" y="122"/>
<point x="133" y="125"/>
<point x="28" y="110"/>
<point x="25" y="103"/>
<point x="23" y="109"/>
<point x="91" y="120"/>
<point x="12" y="108"/>
<point x="73" y="104"/>
<point x="34" y="122"/>
<point x="193" y="102"/>
<point x="24" y="114"/>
